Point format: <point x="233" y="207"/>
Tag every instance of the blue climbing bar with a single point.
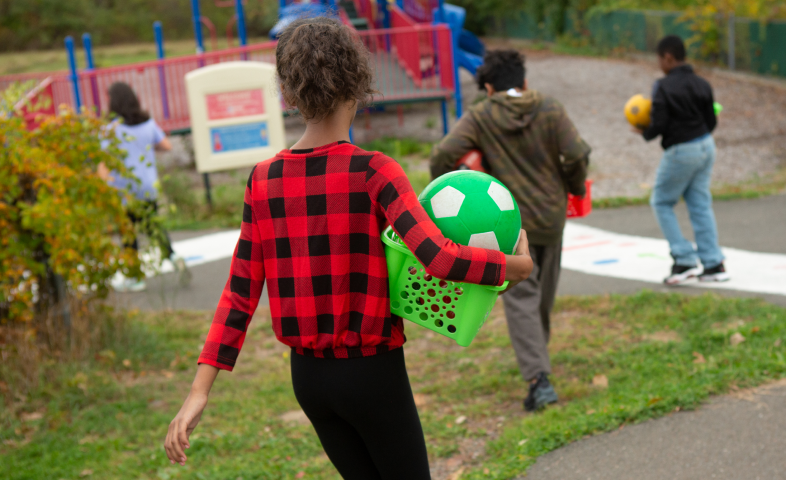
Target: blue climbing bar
<point x="241" y="22"/>
<point x="73" y="76"/>
<point x="200" y="43"/>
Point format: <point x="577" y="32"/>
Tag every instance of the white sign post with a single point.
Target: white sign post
<point x="236" y="116"/>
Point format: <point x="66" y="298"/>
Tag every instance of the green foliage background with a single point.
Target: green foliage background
<point x="37" y="24"/>
<point x="481" y="14"/>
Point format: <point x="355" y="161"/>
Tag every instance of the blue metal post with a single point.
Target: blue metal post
<point x="454" y="47"/>
<point x="200" y="44"/>
<point x="159" y="33"/>
<point x="351" y="140"/>
<point x="281" y="5"/>
<point x="87" y="44"/>
<point x="69" y="44"/>
<point x="241" y="22"/>
<point x="454" y="38"/>
<point x="444" y="105"/>
<point x="383" y="9"/>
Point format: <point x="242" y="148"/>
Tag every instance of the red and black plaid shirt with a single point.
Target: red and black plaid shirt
<point x="311" y="226"/>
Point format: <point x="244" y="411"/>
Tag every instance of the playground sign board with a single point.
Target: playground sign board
<point x="236" y="118"/>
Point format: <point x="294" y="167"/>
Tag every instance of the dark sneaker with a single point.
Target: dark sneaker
<point x="715" y="274"/>
<point x="681" y="274"/>
<point x="541" y="393"/>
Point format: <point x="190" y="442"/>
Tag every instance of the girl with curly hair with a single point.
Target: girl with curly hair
<point x="312" y="220"/>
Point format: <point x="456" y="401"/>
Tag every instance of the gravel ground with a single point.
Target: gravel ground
<point x="750" y="135"/>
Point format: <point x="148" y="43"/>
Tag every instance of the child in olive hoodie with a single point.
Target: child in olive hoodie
<point x="532" y="147"/>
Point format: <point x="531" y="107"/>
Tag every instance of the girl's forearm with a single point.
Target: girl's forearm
<point x="518" y="267"/>
<point x="205" y="376"/>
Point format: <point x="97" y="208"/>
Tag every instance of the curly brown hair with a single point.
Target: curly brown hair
<point x="322" y="65"/>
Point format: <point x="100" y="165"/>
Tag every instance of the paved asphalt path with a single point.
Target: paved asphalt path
<point x="757" y="225"/>
<point x="736" y="437"/>
<point x="733" y="437"/>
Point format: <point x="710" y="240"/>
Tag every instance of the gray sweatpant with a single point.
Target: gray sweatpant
<point x="528" y="310"/>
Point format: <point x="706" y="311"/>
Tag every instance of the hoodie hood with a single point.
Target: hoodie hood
<point x="511" y="113"/>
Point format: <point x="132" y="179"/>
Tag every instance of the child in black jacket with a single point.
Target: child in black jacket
<point x="684" y="117"/>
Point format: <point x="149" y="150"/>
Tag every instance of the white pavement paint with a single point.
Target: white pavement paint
<point x="598" y="252"/>
<point x="204" y="249"/>
<point x="585" y="249"/>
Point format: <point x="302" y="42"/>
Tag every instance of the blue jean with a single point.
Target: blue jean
<point x="685" y="171"/>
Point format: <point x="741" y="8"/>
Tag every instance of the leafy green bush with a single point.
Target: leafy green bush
<point x="58" y="219"/>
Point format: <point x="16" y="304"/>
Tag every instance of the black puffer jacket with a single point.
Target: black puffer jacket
<point x="682" y="108"/>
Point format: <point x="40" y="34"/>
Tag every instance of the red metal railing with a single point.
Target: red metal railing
<point x="406" y="44"/>
<point x="417" y="51"/>
<point x="420" y="10"/>
<point x="410" y="63"/>
<point x="7" y="80"/>
<point x="160" y="84"/>
<point x="367" y="9"/>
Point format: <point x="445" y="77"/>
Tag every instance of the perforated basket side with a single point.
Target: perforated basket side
<point x="455" y="310"/>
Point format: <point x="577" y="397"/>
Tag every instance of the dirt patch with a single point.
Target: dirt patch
<point x="733" y="324"/>
<point x="472" y="448"/>
<point x="597" y="331"/>
<point x="664" y="336"/>
<point x="295" y="416"/>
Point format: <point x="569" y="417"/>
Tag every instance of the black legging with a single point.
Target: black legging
<point x="364" y="414"/>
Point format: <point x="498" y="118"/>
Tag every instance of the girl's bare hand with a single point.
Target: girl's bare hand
<point x="181" y="427"/>
<point x="103" y="172"/>
<point x="520" y="265"/>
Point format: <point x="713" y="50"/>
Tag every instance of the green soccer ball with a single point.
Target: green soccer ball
<point x="473" y="208"/>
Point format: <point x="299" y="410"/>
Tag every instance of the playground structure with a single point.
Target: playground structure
<point x="415" y="48"/>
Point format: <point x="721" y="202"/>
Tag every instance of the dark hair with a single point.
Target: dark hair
<point x="503" y="69"/>
<point x="672" y="44"/>
<point x="321" y="65"/>
<point x="124" y="102"/>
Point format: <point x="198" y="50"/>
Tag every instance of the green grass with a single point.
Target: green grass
<point x="758" y="187"/>
<point x="105" y="56"/>
<point x="107" y="418"/>
<point x="187" y="208"/>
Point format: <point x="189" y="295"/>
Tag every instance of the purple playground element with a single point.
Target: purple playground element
<point x="87" y="44"/>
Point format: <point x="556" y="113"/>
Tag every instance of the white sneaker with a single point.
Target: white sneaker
<point x="121" y="283"/>
<point x="715" y="274"/>
<point x="682" y="273"/>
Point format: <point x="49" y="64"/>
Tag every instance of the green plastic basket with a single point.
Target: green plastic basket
<point x="455" y="310"/>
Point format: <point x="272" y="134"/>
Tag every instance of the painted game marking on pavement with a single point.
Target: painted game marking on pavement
<point x="599" y="252"/>
<point x="585" y="249"/>
<point x="204" y="249"/>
